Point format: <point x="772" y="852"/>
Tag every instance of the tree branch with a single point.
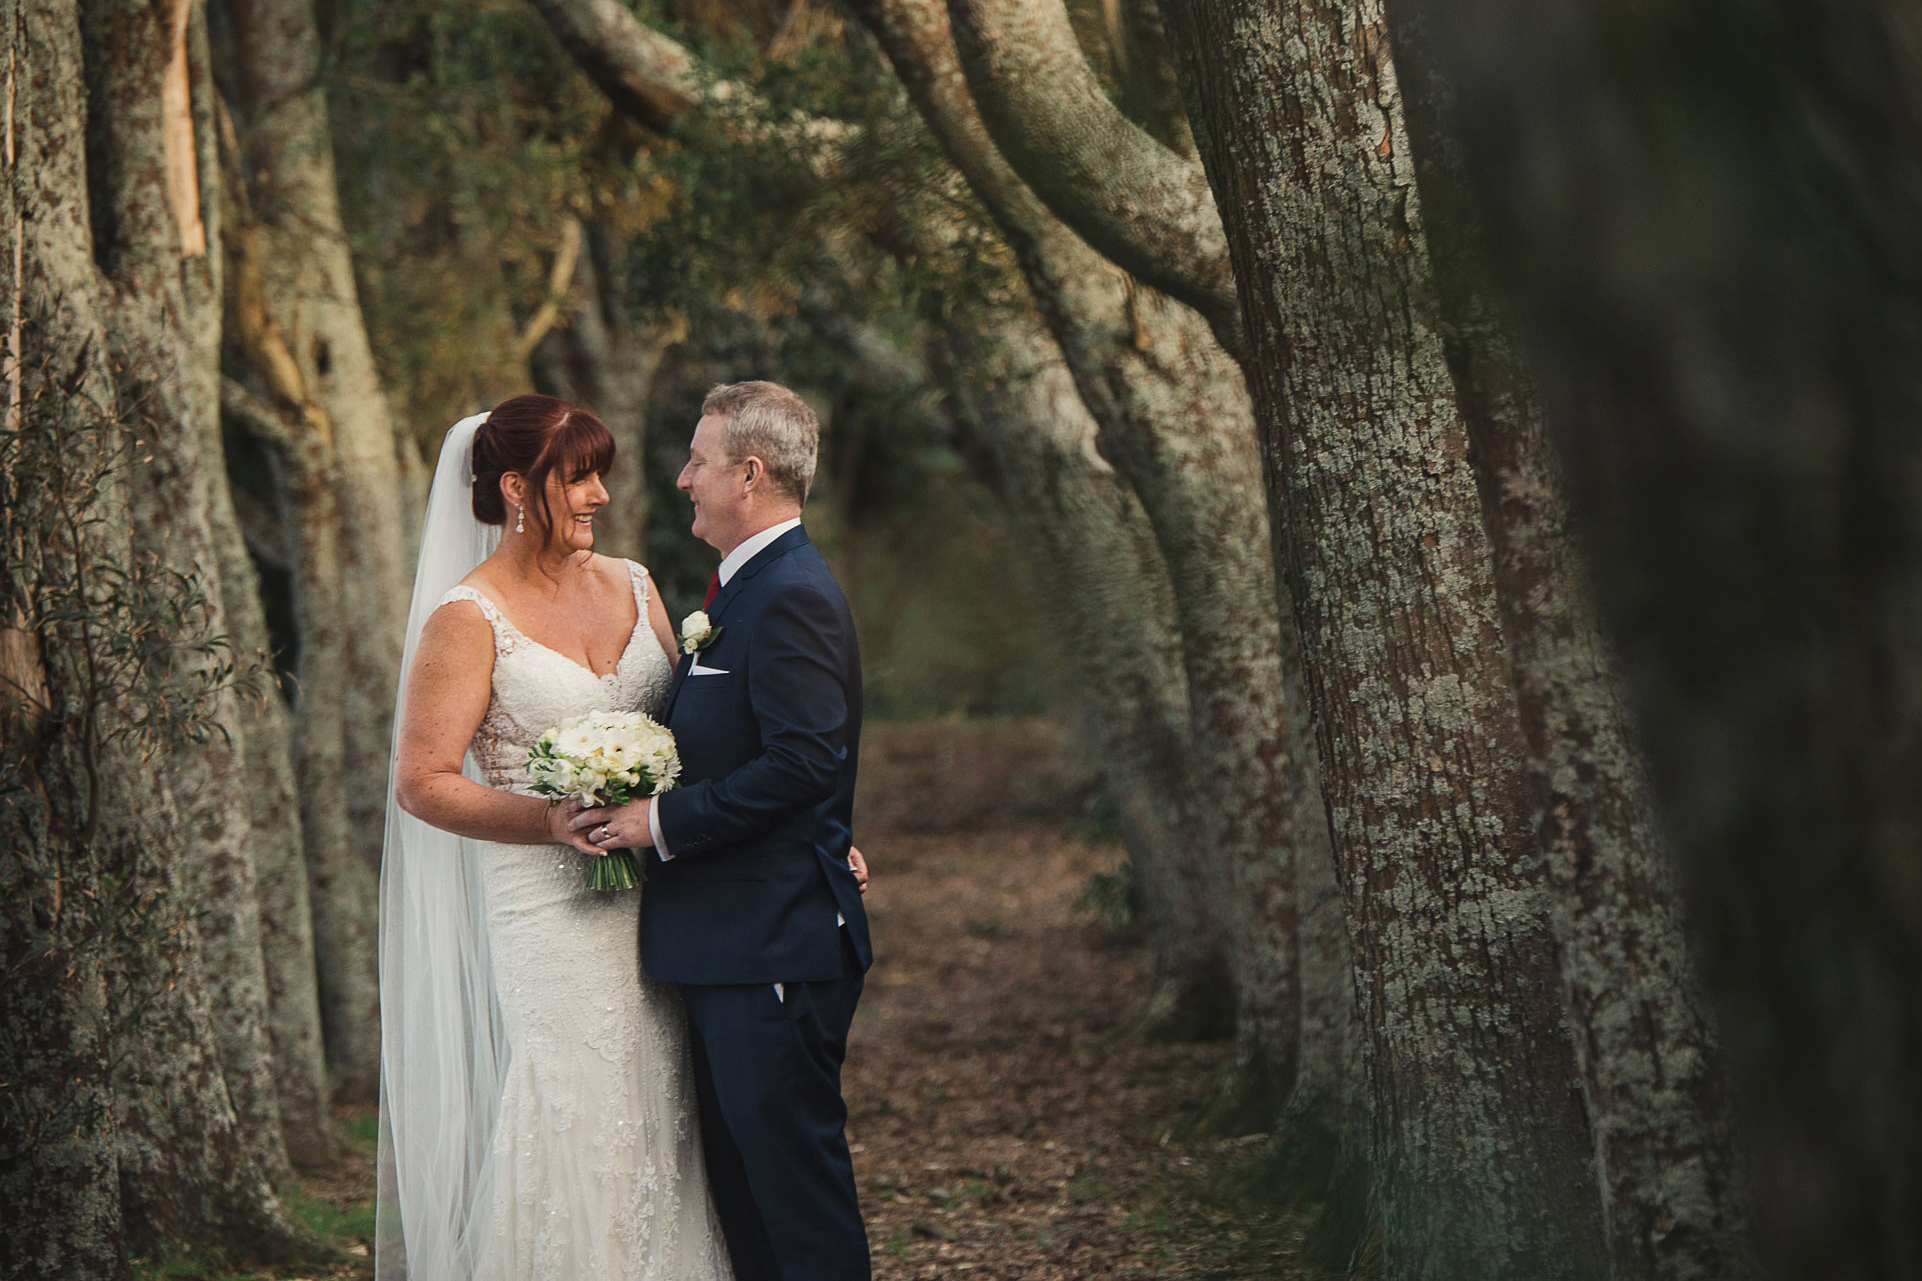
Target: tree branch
<point x="559" y="281"/>
<point x="256" y="417"/>
<point x="1145" y="207"/>
<point x="644" y="73"/>
<point x="914" y="34"/>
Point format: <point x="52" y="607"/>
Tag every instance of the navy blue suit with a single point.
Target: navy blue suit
<point x="759" y="832"/>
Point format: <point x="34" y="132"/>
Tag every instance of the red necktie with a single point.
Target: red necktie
<point x="713" y="587"/>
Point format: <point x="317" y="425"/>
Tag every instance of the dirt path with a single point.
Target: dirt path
<point x="1006" y="1122"/>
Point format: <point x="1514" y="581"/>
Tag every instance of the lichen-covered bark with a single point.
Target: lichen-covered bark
<point x="1144" y="206"/>
<point x="190" y="1168"/>
<point x="60" y="1179"/>
<point x="1175" y="421"/>
<point x="1481" y="1153"/>
<point x="1713" y="253"/>
<point x="165" y="341"/>
<point x="1643" y="1037"/>
<point x="307" y="285"/>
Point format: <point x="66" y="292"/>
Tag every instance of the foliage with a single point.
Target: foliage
<point x="465" y="140"/>
<point x="465" y="144"/>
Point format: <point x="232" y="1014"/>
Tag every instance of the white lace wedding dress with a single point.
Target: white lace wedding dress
<point x="595" y="1167"/>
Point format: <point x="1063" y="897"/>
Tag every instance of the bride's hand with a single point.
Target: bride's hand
<point x="860" y="867"/>
<point x="559" y="816"/>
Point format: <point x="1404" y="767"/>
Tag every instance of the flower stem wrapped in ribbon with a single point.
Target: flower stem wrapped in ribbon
<point x="606" y="758"/>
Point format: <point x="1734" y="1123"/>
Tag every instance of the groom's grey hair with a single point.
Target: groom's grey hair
<point x="771" y="423"/>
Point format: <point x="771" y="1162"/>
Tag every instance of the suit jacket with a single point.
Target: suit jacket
<point x="760" y="826"/>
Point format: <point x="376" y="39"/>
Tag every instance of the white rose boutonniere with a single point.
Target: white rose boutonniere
<point x="697" y="633"/>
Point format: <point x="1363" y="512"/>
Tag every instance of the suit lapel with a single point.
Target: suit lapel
<point x="681" y="670"/>
<point x="717" y="610"/>
<point x="734" y="586"/>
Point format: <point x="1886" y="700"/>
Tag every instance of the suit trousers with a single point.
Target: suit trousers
<point x="767" y="1070"/>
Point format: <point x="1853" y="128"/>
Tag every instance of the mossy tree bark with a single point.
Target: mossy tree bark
<point x="1481" y="1156"/>
<point x="1710" y="243"/>
<point x="150" y="834"/>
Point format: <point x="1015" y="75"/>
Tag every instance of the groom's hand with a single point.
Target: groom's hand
<point x="615" y="827"/>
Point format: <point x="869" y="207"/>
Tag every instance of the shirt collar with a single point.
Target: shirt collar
<point x="752" y="546"/>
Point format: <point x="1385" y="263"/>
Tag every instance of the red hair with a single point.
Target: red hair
<point x="536" y="436"/>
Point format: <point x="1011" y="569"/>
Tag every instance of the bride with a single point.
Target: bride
<point x="536" y="1107"/>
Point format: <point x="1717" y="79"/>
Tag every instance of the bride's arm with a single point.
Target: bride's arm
<point x="447" y="692"/>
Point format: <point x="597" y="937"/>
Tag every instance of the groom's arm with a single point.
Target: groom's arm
<point x="796" y="695"/>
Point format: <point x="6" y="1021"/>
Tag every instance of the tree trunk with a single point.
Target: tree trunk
<point x="1175" y="420"/>
<point x="126" y="273"/>
<point x="1644" y="1040"/>
<point x="1093" y="546"/>
<point x="605" y="360"/>
<point x="1481" y="1151"/>
<point x="272" y="396"/>
<point x="150" y="237"/>
<point x="59" y="1176"/>
<point x="1714" y="254"/>
<point x="307" y="285"/>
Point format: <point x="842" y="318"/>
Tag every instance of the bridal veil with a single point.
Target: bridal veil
<point x="442" y="1054"/>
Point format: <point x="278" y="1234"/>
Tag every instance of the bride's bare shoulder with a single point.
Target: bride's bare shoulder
<point x="460" y="622"/>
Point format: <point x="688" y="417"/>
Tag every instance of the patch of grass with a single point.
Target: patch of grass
<point x="897" y="1243"/>
<point x="168" y="1267"/>
<point x="1155" y="1220"/>
<point x="334" y="1221"/>
<point x="364" y="1130"/>
<point x="987" y="927"/>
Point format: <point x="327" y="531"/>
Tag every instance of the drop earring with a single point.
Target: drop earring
<point x="520" y="519"/>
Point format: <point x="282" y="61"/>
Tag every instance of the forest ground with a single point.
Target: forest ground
<point x="1009" y="1123"/>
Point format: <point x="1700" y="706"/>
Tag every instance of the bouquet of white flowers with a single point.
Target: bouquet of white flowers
<point x="606" y="758"/>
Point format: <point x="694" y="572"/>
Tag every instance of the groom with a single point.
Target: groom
<point x="750" y="904"/>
